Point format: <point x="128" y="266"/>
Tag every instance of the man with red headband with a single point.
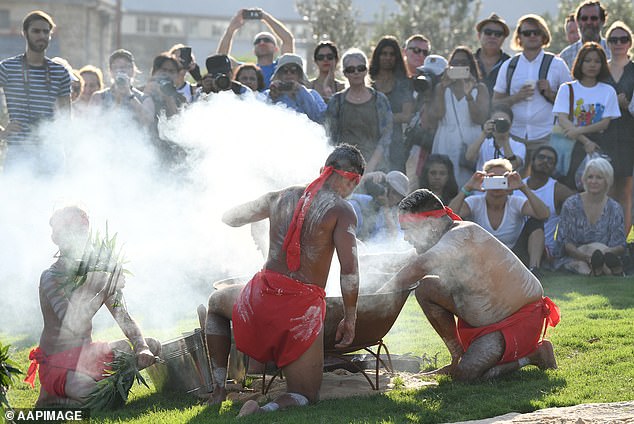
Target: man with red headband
<point x="69" y="362"/>
<point x="466" y="273"/>
<point x="279" y="315"/>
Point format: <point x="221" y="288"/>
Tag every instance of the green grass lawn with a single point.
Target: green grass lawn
<point x="594" y="345"/>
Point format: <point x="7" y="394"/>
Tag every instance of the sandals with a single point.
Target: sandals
<point x="596" y="263"/>
<point x="614" y="263"/>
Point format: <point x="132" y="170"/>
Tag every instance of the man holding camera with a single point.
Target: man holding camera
<point x="504" y="214"/>
<point x="264" y="43"/>
<point x="188" y="64"/>
<point x="36" y="89"/>
<point x="496" y="142"/>
<point x="288" y="86"/>
<point x="218" y="77"/>
<point x="121" y="93"/>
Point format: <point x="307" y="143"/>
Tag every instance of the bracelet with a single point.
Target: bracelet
<point x="466" y="192"/>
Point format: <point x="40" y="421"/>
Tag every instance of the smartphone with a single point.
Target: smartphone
<point x="285" y="86"/>
<point x="186" y="56"/>
<point x="496" y="182"/>
<point x="458" y="72"/>
<point x="251" y="14"/>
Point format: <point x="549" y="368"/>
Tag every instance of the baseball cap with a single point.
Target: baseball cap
<point x="265" y="34"/>
<point x="435" y="64"/>
<point x="399" y="182"/>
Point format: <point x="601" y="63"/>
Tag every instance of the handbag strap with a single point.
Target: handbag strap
<point x="571" y="101"/>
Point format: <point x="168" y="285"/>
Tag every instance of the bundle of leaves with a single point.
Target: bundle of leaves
<point x="100" y="254"/>
<point x="8" y="369"/>
<point x="112" y="391"/>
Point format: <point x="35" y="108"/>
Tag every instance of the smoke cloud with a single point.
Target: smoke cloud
<point x="168" y="222"/>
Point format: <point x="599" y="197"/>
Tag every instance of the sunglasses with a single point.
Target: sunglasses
<point x="493" y="32"/>
<point x="293" y="70"/>
<point x="418" y="50"/>
<point x="616" y="40"/>
<point x="262" y="40"/>
<point x="531" y="32"/>
<point x="352" y="69"/>
<point x="544" y="158"/>
<point x="585" y="18"/>
<point x="327" y="56"/>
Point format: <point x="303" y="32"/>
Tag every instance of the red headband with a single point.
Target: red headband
<point x="415" y="217"/>
<point x="291" y="244"/>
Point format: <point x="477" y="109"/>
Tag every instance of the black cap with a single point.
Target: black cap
<point x="218" y="64"/>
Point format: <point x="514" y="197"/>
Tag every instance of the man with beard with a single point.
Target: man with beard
<point x="34" y="87"/>
<point x="590" y="17"/>
<point x="549" y="191"/>
<point x="468" y="274"/>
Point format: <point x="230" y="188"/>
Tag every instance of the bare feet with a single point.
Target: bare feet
<point x="250" y="407"/>
<point x="218" y="396"/>
<point x="544" y="356"/>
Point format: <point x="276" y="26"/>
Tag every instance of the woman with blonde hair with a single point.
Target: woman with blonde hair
<point x="591" y="231"/>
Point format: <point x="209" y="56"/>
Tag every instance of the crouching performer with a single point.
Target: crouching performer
<point x="487" y="307"/>
<point x="71" y="291"/>
<point x="279" y="315"/>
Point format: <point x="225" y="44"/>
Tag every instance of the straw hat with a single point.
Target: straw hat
<point x="495" y="19"/>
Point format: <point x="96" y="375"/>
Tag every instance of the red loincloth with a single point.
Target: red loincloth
<point x="277" y="318"/>
<point x="89" y="359"/>
<point x="522" y="331"/>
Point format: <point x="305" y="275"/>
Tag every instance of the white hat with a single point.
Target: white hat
<point x="399" y="182"/>
<point x="435" y="64"/>
<point x="290" y="59"/>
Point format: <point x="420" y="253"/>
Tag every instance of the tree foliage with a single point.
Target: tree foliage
<point x="447" y="23"/>
<point x="334" y="20"/>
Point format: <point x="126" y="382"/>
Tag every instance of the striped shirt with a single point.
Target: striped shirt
<point x="31" y="92"/>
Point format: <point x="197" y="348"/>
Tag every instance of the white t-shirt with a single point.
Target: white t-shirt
<point x="512" y="222"/>
<point x="487" y="151"/>
<point x="532" y="118"/>
<point x="591" y="104"/>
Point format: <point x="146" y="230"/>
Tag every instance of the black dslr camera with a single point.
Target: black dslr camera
<point x="219" y="67"/>
<point x="167" y="86"/>
<point x="425" y="80"/>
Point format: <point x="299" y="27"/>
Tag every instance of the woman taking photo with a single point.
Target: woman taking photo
<point x="326" y="57"/>
<point x="360" y="115"/>
<point x="618" y="140"/>
<point x="461" y="106"/>
<point x="594" y="104"/>
<point x="389" y="76"/>
<point x="591" y="230"/>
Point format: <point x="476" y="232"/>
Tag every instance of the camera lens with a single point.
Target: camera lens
<point x="222" y="82"/>
<point x="167" y="87"/>
<point x="121" y="78"/>
<point x="502" y="125"/>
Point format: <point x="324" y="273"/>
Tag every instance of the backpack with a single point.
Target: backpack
<point x="543" y="68"/>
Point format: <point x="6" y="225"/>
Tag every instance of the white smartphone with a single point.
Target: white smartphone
<point x="458" y="72"/>
<point x="496" y="182"/>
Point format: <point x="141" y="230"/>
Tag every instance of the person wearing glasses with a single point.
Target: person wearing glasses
<point x="360" y="115"/>
<point x="417" y="48"/>
<point x="590" y="17"/>
<point x="289" y="86"/>
<point x="552" y="193"/>
<point x="389" y="76"/>
<point x="492" y="32"/>
<point x="326" y="57"/>
<point x="265" y="45"/>
<point x="618" y="140"/>
<point x="529" y="92"/>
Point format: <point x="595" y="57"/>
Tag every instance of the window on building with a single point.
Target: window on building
<point x="141" y="24"/>
<point x="154" y="25"/>
<point x="4" y="19"/>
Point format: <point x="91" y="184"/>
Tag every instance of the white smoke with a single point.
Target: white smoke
<point x="168" y="223"/>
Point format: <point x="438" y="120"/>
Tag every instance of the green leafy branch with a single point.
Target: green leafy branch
<point x="112" y="391"/>
<point x="8" y="369"/>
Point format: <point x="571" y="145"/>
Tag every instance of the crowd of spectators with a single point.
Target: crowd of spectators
<point x="557" y="128"/>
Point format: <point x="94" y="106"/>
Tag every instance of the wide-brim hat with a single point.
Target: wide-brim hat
<point x="495" y="19"/>
<point x="291" y="59"/>
<point x="399" y="182"/>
